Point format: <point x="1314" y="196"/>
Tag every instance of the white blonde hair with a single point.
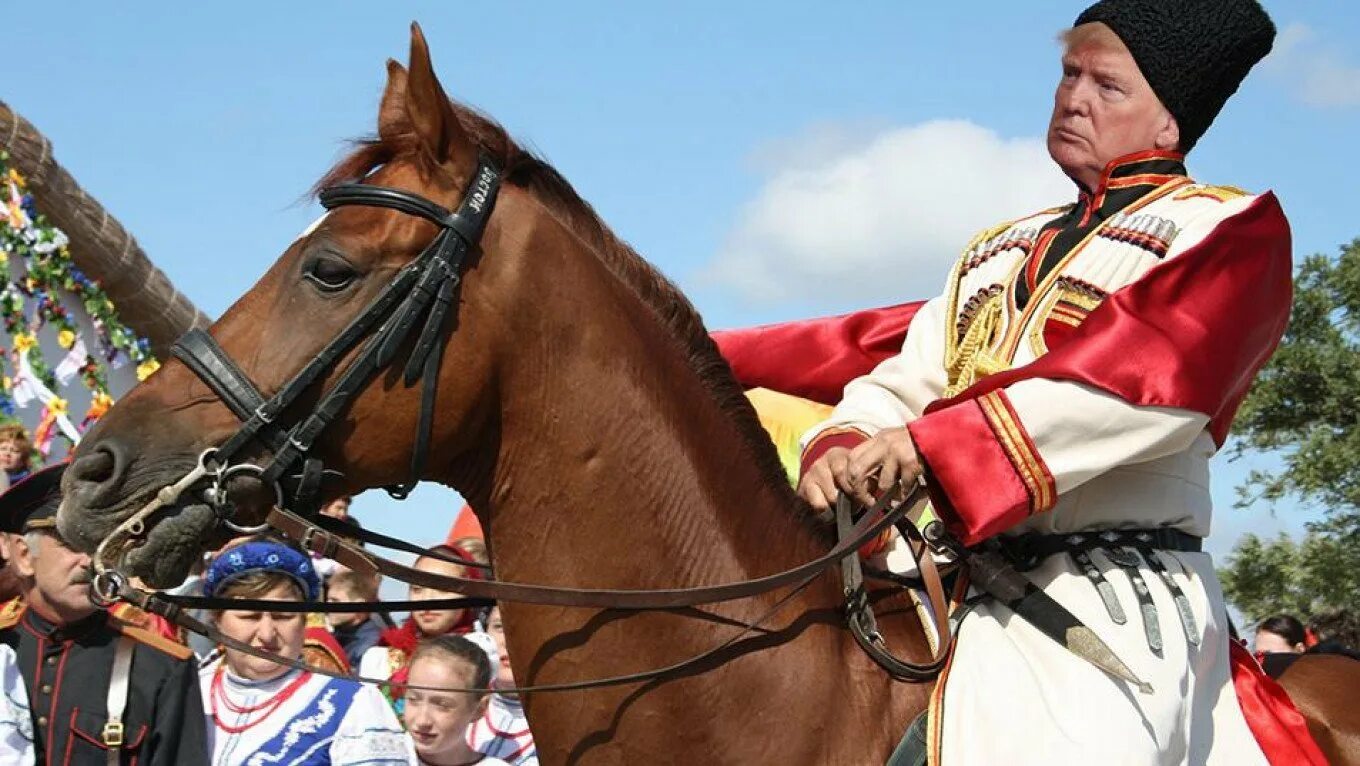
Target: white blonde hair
<point x="1094" y="35"/>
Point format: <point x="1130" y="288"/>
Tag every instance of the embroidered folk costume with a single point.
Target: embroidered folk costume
<point x="295" y="717"/>
<point x="1077" y="375"/>
<point x="16" y="721"/>
<point x="1074" y="378"/>
<point x="503" y="732"/>
<point x="299" y="718"/>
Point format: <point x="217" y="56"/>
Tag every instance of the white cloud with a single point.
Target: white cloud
<point x="880" y="219"/>
<point x="1317" y="74"/>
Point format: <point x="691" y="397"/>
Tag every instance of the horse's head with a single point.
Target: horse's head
<point x="325" y="280"/>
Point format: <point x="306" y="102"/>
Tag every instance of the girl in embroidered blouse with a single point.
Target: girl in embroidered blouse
<point x="438" y="720"/>
<point x="261" y="712"/>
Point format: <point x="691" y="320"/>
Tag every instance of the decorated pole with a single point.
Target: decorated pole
<point x="103" y="249"/>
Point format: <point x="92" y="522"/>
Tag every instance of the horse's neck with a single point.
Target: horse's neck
<point x="611" y="465"/>
<point x="611" y="444"/>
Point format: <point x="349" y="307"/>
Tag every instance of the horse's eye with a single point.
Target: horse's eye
<point x="330" y="274"/>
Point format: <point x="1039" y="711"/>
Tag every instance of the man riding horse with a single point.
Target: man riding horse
<point x="1066" y="392"/>
<point x="552" y="360"/>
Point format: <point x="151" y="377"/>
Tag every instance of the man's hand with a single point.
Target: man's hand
<point x="823" y="480"/>
<point x="880" y="464"/>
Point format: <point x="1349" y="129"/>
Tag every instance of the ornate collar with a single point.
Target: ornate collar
<point x="1127" y="179"/>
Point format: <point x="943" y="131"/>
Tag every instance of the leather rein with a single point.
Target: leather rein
<point x="422" y="294"/>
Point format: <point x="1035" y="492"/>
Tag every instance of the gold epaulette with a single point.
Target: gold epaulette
<point x="11" y="611"/>
<point x="152" y="639"/>
<point x="993" y="231"/>
<point x="1220" y="193"/>
<point x="987" y="234"/>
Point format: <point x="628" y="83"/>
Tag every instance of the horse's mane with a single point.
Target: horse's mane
<point x="675" y="312"/>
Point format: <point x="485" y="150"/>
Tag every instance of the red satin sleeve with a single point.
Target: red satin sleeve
<point x="815" y="358"/>
<point x="983" y="471"/>
<point x="1277" y="725"/>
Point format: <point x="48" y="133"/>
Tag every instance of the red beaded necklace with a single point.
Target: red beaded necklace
<point x="268" y="706"/>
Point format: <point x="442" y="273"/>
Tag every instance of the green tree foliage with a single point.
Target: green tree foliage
<point x="1306" y="402"/>
<point x="1266" y="577"/>
<point x="1304" y="409"/>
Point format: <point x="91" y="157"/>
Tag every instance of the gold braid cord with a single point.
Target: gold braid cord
<point x="971" y="359"/>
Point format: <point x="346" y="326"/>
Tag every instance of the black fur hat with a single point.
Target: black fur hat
<point x="1194" y="53"/>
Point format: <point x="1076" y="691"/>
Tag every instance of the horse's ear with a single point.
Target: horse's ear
<point x="427" y="106"/>
<point x="392" y="119"/>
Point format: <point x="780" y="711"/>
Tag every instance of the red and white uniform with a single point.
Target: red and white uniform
<point x="1078" y="372"/>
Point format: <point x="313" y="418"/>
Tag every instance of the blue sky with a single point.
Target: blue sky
<point x="725" y="141"/>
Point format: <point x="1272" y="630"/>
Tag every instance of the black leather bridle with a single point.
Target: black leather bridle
<point x="422" y="293"/>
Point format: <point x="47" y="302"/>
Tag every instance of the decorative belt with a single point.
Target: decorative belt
<point x="1130" y="550"/>
<point x="1029" y="550"/>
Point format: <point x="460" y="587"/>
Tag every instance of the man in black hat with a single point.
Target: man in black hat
<point x="1065" y="394"/>
<point x="101" y="692"/>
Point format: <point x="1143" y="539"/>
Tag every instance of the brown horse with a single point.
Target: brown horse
<point x="585" y="412"/>
<point x="1323" y="687"/>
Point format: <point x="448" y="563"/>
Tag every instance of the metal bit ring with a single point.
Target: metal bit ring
<point x="106" y="586"/>
<point x="243" y="469"/>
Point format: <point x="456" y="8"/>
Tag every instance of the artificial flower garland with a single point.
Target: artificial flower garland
<point x="39" y="298"/>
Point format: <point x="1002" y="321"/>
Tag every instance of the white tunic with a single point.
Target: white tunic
<point x="325" y="721"/>
<point x="1088" y="460"/>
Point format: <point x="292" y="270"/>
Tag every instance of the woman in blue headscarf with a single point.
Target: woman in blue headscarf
<point x="261" y="712"/>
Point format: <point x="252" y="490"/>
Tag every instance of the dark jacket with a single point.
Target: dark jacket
<point x="66" y="671"/>
<point x="358" y="639"/>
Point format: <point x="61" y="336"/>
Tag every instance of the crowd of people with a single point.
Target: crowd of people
<point x="80" y="684"/>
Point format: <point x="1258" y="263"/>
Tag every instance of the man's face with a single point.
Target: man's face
<point x="435" y="622"/>
<point x="57" y="578"/>
<point x="1104" y="109"/>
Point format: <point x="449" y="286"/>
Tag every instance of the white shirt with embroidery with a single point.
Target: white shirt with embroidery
<point x="16" y="723"/>
<point x="503" y="731"/>
<point x="323" y="721"/>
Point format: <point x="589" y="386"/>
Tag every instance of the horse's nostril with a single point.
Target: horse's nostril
<point x="98" y="467"/>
